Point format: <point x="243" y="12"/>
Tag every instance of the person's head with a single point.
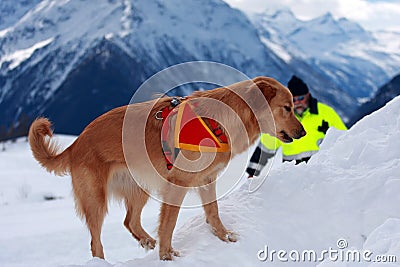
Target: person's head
<point x="301" y="94"/>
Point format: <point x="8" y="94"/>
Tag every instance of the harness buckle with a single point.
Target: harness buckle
<point x="158" y="115"/>
<point x="175" y="102"/>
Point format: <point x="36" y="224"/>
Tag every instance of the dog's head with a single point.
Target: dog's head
<point x="280" y="100"/>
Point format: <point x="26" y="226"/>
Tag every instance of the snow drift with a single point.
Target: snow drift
<point x="348" y="191"/>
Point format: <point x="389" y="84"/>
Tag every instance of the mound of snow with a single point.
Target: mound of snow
<point x="349" y="191"/>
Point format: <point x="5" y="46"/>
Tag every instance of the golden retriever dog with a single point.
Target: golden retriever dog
<point x="101" y="167"/>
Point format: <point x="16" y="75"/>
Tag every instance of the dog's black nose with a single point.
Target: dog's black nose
<point x="300" y="133"/>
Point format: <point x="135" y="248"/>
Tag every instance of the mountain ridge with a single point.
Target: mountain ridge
<point x="385" y="94"/>
<point x="50" y="54"/>
<point x="151" y="36"/>
<point x="341" y="49"/>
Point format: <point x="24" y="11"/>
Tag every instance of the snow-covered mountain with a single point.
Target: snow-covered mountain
<point x="348" y="191"/>
<point x="383" y="95"/>
<point x="73" y="60"/>
<point x="355" y="60"/>
<point x="12" y="11"/>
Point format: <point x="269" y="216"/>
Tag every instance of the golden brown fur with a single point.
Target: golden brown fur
<point x="97" y="160"/>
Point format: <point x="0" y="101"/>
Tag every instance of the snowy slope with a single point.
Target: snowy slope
<point x="11" y="11"/>
<point x="349" y="190"/>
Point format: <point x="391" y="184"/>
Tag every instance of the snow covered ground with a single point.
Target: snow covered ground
<point x="348" y="194"/>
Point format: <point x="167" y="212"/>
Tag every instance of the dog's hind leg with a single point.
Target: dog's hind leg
<point x="91" y="204"/>
<point x="208" y="197"/>
<point x="172" y="200"/>
<point x="134" y="206"/>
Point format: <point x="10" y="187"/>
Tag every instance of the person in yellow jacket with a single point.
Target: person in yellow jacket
<point x="316" y="118"/>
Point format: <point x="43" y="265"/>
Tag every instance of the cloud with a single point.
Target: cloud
<point x="372" y="15"/>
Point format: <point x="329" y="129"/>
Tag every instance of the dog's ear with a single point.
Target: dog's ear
<point x="267" y="89"/>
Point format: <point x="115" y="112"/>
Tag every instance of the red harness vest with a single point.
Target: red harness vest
<point x="190" y="132"/>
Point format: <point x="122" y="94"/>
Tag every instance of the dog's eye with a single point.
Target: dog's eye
<point x="287" y="108"/>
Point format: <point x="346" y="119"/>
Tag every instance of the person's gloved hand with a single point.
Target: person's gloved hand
<point x="323" y="128"/>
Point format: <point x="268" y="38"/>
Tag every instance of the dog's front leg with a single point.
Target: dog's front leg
<point x="210" y="205"/>
<point x="172" y="201"/>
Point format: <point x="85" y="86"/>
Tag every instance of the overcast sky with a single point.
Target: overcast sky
<point x="371" y="14"/>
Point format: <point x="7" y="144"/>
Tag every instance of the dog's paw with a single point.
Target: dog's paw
<point x="231" y="236"/>
<point x="227" y="236"/>
<point x="169" y="255"/>
<point x="148" y="243"/>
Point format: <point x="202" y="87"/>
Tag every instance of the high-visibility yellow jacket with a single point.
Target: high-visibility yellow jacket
<point x="316" y="120"/>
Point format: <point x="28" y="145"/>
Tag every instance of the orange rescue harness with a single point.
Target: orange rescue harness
<point x="191" y="131"/>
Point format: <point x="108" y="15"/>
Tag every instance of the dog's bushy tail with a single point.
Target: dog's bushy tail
<point x="46" y="150"/>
